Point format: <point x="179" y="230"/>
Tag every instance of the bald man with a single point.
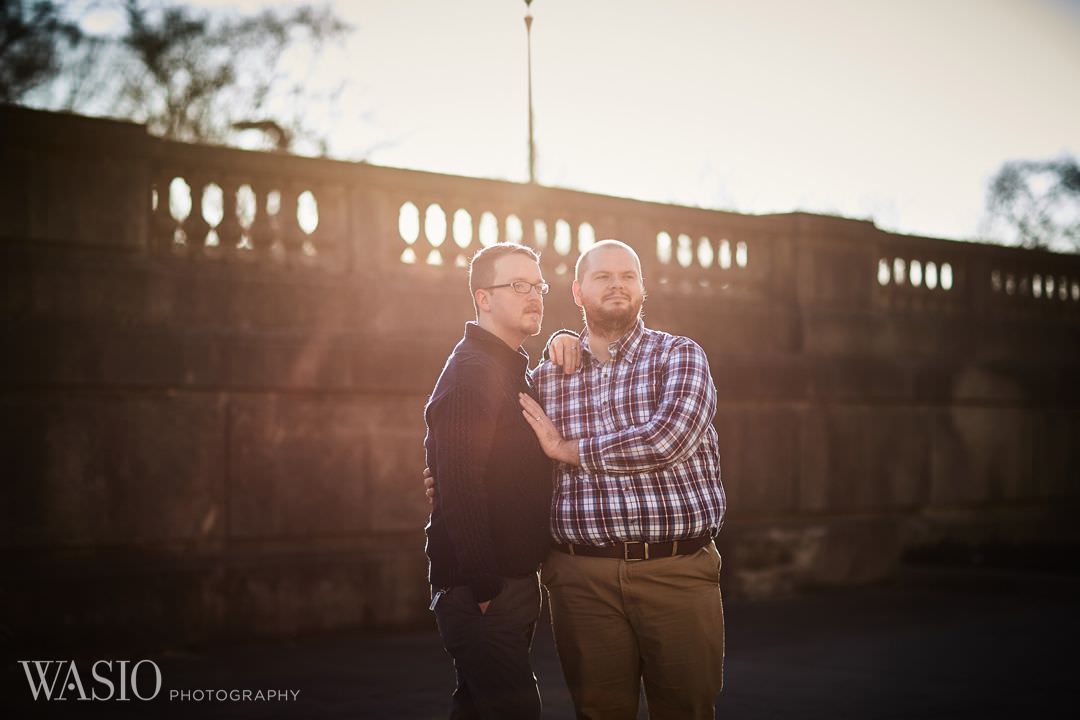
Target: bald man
<point x="633" y="579"/>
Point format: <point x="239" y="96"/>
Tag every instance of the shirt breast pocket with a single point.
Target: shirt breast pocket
<point x="642" y="402"/>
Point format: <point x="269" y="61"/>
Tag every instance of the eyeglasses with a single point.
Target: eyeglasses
<point x="523" y="288"/>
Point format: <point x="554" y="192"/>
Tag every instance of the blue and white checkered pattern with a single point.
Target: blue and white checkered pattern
<point x="650" y="461"/>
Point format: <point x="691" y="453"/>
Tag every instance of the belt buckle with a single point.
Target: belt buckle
<point x="626" y="551"/>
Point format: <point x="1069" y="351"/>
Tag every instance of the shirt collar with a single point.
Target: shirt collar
<point x="625" y="347"/>
<point x="516" y="361"/>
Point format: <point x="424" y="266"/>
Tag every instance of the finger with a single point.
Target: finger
<point x="533" y="408"/>
<point x="427" y="472"/>
<point x="534" y="422"/>
<point x="557" y="356"/>
<point x="529" y="404"/>
<point x="541" y="416"/>
<point x="571" y="360"/>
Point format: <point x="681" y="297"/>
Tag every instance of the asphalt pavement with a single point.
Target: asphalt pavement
<point x="929" y="643"/>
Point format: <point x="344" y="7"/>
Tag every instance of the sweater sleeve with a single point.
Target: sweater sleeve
<point x="466" y="430"/>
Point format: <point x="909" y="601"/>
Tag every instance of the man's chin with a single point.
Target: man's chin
<point x="611" y="323"/>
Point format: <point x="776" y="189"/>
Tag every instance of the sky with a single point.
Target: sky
<point x="895" y="111"/>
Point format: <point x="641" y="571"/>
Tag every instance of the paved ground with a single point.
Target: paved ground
<point x="929" y="644"/>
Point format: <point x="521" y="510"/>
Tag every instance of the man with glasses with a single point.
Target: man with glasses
<point x="488" y="530"/>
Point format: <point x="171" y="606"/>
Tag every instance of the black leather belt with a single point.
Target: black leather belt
<point x="638" y="550"/>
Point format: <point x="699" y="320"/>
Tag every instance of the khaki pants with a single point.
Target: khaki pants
<point x="617" y="623"/>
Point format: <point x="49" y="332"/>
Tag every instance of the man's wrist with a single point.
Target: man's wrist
<point x="569" y="453"/>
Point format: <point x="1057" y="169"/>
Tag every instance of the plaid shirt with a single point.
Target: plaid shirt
<point x="650" y="461"/>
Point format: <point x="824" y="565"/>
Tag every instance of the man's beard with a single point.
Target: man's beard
<point x="613" y="323"/>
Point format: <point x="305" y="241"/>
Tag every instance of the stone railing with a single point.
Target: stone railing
<point x="222" y="204"/>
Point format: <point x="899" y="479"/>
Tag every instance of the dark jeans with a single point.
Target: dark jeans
<point x="491" y="650"/>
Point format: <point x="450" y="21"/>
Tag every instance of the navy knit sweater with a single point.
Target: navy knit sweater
<point x="491" y="517"/>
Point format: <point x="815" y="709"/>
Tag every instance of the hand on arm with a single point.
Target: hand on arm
<point x="552" y="443"/>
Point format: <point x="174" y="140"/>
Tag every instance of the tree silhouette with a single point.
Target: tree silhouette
<point x="1036" y="203"/>
<point x="191" y="75"/>
<point x="31" y="41"/>
<point x="195" y="77"/>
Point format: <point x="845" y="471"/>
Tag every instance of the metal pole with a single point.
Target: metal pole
<point x="528" y="45"/>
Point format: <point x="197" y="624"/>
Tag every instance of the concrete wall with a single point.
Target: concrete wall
<point x="213" y="438"/>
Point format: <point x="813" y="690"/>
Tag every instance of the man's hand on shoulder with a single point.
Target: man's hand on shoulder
<point x="564" y="350"/>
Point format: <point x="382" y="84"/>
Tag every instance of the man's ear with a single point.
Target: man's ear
<point x="575" y="288"/>
<point x="483" y="301"/>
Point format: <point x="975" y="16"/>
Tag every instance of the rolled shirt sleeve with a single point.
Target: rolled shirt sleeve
<point x="686" y="409"/>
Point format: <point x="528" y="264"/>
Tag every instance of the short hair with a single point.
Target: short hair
<point x="482" y="265"/>
<point x="579" y="266"/>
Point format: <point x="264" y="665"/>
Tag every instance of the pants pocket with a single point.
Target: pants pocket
<point x="549" y="570"/>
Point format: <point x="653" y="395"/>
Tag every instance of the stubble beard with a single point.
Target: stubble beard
<point x="532" y="326"/>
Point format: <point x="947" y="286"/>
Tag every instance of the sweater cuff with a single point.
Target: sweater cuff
<point x="485" y="587"/>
